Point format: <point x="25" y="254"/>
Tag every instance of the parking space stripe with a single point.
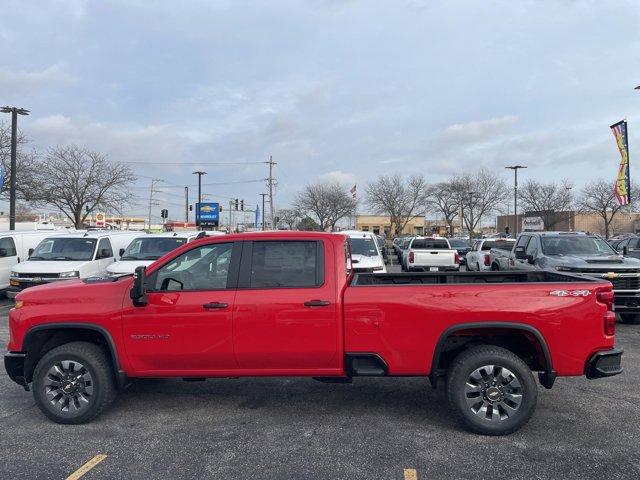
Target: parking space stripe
<point x="410" y="474"/>
<point x="87" y="466"/>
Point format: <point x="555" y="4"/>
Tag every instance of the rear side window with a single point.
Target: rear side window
<point x="9" y="247"/>
<point x="276" y="264"/>
<point x="497" y="244"/>
<point x="104" y="249"/>
<point x="430" y="244"/>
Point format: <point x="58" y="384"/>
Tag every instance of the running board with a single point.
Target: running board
<point x="366" y="365"/>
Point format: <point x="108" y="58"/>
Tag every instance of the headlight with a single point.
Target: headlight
<point x="69" y="274"/>
<point x="14" y="274"/>
<point x="562" y="268"/>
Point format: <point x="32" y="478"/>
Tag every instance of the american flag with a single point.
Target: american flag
<point x="353" y="191"/>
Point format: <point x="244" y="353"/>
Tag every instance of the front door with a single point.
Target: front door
<point x="286" y="314"/>
<point x="185" y="329"/>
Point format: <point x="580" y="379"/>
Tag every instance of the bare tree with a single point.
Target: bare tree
<point x="442" y="199"/>
<point x="327" y="202"/>
<point x="79" y="181"/>
<point x="479" y="195"/>
<point x="598" y="197"/>
<point x="551" y="201"/>
<point x="289" y="217"/>
<point x="400" y="199"/>
<point x="26" y="163"/>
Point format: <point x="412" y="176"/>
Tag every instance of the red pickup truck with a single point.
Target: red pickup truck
<point x="288" y="304"/>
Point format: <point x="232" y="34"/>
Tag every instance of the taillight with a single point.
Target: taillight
<point x="487" y="260"/>
<point x="456" y="258"/>
<point x="606" y="297"/>
<point x="609" y="323"/>
<point x="411" y="257"/>
<point x="609" y="319"/>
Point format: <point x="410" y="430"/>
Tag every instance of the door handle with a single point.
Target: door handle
<point x="317" y="303"/>
<point x="215" y="305"/>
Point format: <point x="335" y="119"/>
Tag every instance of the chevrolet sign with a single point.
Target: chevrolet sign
<point x="610" y="275"/>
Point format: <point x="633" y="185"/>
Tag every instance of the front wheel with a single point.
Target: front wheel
<point x="74" y="383"/>
<point x="491" y="391"/>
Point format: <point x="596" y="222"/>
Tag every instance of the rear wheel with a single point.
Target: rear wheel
<point x="74" y="383"/>
<point x="491" y="391"/>
<point x="478" y="266"/>
<point x="631" y="318"/>
<point x="494" y="267"/>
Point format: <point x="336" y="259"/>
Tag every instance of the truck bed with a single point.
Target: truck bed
<point x="435" y="278"/>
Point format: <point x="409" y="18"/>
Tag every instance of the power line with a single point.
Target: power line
<point x="222" y="164"/>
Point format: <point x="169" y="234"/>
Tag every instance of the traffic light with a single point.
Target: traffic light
<point x="164" y="213"/>
<point x="220" y="207"/>
<point x="242" y="205"/>
<point x="236" y="204"/>
<point x="191" y="208"/>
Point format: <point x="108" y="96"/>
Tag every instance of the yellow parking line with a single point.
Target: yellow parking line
<point x="410" y="474"/>
<point x="86" y="467"/>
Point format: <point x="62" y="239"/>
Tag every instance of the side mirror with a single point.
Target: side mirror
<point x="3" y="252"/>
<point x="121" y="252"/>
<point x="138" y="291"/>
<point x="30" y="252"/>
<point x="625" y="250"/>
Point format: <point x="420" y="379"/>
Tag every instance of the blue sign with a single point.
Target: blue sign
<point x="208" y="214"/>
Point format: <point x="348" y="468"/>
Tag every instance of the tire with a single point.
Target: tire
<point x="82" y="368"/>
<point x="478" y="267"/>
<point x="495" y="267"/>
<point x="630" y="318"/>
<point x="514" y="390"/>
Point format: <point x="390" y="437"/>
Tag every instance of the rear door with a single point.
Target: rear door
<point x="186" y="325"/>
<point x="8" y="258"/>
<point x="286" y="314"/>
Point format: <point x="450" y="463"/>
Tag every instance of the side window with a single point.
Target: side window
<point x="286" y="264"/>
<point x="532" y="247"/>
<point x="104" y="249"/>
<point x="523" y="240"/>
<point x="621" y="245"/>
<point x="7" y="247"/>
<point x="202" y="268"/>
<point x="633" y="243"/>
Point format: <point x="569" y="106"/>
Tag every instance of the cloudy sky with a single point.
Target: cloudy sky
<point x="343" y="90"/>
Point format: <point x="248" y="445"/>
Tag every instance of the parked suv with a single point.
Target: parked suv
<point x="586" y="254"/>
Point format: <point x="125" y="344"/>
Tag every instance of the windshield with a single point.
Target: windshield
<point x="64" y="249"/>
<point x="151" y="248"/>
<point x="504" y="244"/>
<point x="363" y="246"/>
<point x="429" y="244"/>
<point x="458" y="243"/>
<point x="578" y="245"/>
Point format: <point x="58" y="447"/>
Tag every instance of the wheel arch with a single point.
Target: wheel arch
<point x="494" y="330"/>
<point x="42" y="338"/>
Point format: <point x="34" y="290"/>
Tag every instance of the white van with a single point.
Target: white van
<point x="146" y="249"/>
<point x="365" y="252"/>
<point x="65" y="257"/>
<point x="14" y="248"/>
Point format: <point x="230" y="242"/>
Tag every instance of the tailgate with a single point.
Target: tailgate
<point x="434" y="258"/>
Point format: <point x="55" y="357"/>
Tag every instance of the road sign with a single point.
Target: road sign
<point x="208" y="214"/>
<point x="101" y="220"/>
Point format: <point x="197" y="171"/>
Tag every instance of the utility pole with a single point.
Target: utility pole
<point x="14" y="111"/>
<point x="186" y="204"/>
<point x="199" y="173"/>
<point x="154" y="182"/>
<point x="515" y="195"/>
<point x="262" y="195"/>
<point x="270" y="184"/>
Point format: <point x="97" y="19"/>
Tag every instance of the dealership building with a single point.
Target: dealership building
<point x="570" y="221"/>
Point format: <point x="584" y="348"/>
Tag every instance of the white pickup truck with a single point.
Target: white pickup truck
<point x="431" y="254"/>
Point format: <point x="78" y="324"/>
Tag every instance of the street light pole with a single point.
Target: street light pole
<point x="14" y="111"/>
<point x="199" y="173"/>
<point x="515" y="169"/>
<point x="263" y="195"/>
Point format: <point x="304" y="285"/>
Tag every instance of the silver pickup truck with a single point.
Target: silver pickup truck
<point x="430" y="254"/>
<point x="583" y="254"/>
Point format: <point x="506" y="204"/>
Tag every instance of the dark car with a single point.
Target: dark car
<point x="462" y="246"/>
<point x="629" y="246"/>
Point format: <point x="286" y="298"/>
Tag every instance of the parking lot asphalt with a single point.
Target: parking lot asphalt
<point x="299" y="428"/>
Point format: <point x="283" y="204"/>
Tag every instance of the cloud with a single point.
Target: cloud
<point x="20" y="82"/>
<point x="479" y="129"/>
<point x="343" y="178"/>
